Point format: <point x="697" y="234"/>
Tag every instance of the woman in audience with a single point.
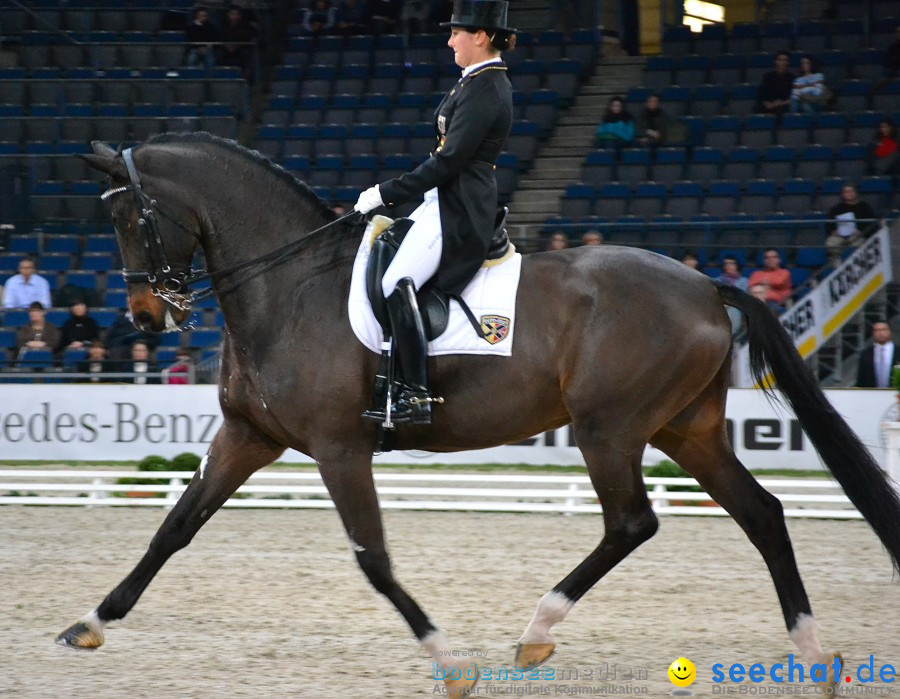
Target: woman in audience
<point x="809" y="94"/>
<point x="79" y="330"/>
<point x="617" y="127"/>
<point x="883" y="157"/>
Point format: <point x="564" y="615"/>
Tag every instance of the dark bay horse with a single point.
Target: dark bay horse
<point x="629" y="346"/>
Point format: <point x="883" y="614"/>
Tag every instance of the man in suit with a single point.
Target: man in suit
<point x="877" y="361"/>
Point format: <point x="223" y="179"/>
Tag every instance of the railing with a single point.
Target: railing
<point x="564" y="494"/>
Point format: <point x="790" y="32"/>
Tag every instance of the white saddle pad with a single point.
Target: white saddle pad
<point x="491" y="296"/>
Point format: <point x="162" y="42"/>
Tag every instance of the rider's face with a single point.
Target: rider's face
<point x="466" y="50"/>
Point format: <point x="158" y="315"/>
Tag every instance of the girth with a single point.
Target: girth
<point x="434" y="305"/>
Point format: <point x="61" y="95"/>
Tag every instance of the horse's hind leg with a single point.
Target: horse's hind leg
<point x="236" y="452"/>
<point x="349" y="481"/>
<point x="628" y="522"/>
<point x="696" y="439"/>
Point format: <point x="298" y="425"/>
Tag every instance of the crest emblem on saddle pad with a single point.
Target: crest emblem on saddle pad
<point x="495" y="328"/>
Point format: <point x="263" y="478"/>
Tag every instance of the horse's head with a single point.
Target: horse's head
<point x="157" y="232"/>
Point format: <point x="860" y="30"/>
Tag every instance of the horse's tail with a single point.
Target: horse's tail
<point x="771" y="349"/>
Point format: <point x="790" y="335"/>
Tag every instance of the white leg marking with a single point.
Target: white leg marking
<point x="356" y="547"/>
<point x="93" y="621"/>
<point x="805" y="636"/>
<point x="203" y="462"/>
<point x="435" y="644"/>
<point x="553" y="608"/>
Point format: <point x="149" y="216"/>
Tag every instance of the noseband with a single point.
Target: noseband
<point x="170" y="283"/>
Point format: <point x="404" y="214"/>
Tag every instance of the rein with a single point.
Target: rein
<point x="170" y="283"/>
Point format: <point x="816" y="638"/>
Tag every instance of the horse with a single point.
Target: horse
<point x="628" y="346"/>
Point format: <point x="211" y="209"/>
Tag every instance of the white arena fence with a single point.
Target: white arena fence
<point x="562" y="494"/>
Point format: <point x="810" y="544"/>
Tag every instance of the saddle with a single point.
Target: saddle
<point x="434" y="305"/>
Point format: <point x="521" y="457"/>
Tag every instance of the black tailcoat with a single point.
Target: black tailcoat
<point x="471" y="123"/>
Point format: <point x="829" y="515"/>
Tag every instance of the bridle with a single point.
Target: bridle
<point x="166" y="281"/>
<point x="169" y="282"/>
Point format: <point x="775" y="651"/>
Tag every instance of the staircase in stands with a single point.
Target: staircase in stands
<point x="560" y="157"/>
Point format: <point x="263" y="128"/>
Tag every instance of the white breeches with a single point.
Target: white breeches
<point x="420" y="253"/>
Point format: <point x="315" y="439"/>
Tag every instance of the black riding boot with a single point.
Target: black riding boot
<point x="413" y="404"/>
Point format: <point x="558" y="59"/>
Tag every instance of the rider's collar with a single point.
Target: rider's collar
<point x="476" y="66"/>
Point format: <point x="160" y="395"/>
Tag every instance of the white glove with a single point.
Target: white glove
<point x="369" y="200"/>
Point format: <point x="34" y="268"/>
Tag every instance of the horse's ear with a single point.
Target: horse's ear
<point x="106" y="164"/>
<point x="100" y="148"/>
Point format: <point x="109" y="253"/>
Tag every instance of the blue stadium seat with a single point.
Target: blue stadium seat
<point x="741" y="164"/>
<point x="7" y="340"/>
<point x="599" y="167"/>
<point x="577" y="201"/>
<point x="648" y="199"/>
<point x="101" y="243"/>
<point x="721" y="197"/>
<point x="634" y="165"/>
<point x="797" y="196"/>
<point x="612" y="200"/>
<point x="201" y="338"/>
<point x="777" y="163"/>
<point x="684" y="198"/>
<point x="84" y="278"/>
<point x="668" y="165"/>
<point x="759" y="196"/>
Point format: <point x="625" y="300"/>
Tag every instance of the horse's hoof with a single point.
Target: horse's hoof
<point x="81" y="634"/>
<point x="829" y="686"/>
<point x="530" y="655"/>
<point x="464" y="684"/>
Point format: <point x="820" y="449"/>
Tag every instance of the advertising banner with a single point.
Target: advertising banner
<point x="116" y="423"/>
<point x="822" y="312"/>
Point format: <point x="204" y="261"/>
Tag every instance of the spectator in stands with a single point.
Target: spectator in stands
<point x="592" y="238"/>
<point x="96" y="363"/>
<point x="689" y="258"/>
<point x="558" y="241"/>
<point x="350" y="17"/>
<point x="891" y="61"/>
<point x="776" y="86"/>
<point x="617" y="127"/>
<point x="651" y="123"/>
<point x="180" y="371"/>
<point x="759" y="291"/>
<point x="140" y="364"/>
<point x="26" y="287"/>
<point x="319" y="18"/>
<point x="236" y="35"/>
<point x="731" y="276"/>
<point x="809" y="93"/>
<point x="122" y="334"/>
<point x="37" y="333"/>
<point x="776" y="277"/>
<point x="415" y="16"/>
<point x="382" y="16"/>
<point x="565" y="15"/>
<point x="883" y="158"/>
<point x="851" y="222"/>
<point x="80" y="330"/>
<point x="876" y="362"/>
<point x="200" y="33"/>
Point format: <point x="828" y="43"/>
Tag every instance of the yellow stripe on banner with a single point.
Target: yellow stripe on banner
<point x="807" y="347"/>
<point x="838" y="320"/>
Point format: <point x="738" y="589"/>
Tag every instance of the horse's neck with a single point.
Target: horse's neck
<point x="254" y="302"/>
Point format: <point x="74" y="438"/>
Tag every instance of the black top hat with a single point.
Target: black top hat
<point x="480" y="14"/>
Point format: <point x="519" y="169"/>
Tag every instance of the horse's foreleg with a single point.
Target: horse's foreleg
<point x="236" y="452"/>
<point x="629" y="521"/>
<point x="704" y="452"/>
<point x="350" y="483"/>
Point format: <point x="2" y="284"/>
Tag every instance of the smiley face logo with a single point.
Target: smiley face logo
<point x="682" y="672"/>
